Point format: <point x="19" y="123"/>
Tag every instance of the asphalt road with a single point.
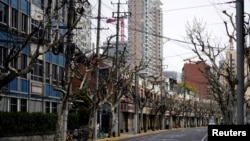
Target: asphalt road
<point x="188" y="134"/>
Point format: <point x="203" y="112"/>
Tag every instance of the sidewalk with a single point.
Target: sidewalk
<point x="129" y="135"/>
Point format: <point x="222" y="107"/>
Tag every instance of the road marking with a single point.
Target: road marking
<point x="204" y="138"/>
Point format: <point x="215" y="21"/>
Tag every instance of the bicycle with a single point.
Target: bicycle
<point x="69" y="136"/>
<point x="101" y="134"/>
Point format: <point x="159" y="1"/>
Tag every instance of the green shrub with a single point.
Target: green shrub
<point x="28" y="124"/>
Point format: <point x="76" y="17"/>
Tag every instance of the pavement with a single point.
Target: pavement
<point x="130" y="135"/>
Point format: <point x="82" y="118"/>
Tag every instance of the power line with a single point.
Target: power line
<point x="200" y="6"/>
<point x="161" y="36"/>
<point x="170" y="39"/>
<point x="184" y="8"/>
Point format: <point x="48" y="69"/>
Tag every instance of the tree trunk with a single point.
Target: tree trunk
<point x="170" y="122"/>
<point x="91" y="125"/>
<point x="162" y="122"/>
<point x="154" y="122"/>
<point x="113" y="122"/>
<point x="140" y="121"/>
<point x="58" y="135"/>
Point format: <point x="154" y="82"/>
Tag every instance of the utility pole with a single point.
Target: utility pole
<point x="240" y="60"/>
<point x="68" y="56"/>
<point x="230" y="91"/>
<point x="184" y="100"/>
<point x="116" y="64"/>
<point x="163" y="105"/>
<point x="97" y="67"/>
<point x="136" y="102"/>
<point x="118" y="16"/>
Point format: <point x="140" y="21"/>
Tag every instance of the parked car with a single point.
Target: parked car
<point x="211" y="122"/>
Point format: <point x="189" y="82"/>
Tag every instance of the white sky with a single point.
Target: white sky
<point x="176" y="14"/>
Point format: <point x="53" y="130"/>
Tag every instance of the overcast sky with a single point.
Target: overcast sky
<point x="176" y="14"/>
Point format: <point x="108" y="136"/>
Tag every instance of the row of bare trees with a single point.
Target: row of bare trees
<point x="221" y="76"/>
<point x="110" y="86"/>
<point x="77" y="66"/>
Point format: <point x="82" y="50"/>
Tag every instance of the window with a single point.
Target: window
<point x="14" y="62"/>
<point x="47" y="108"/>
<point x="23" y="61"/>
<point x="13" y="104"/>
<point x="103" y="73"/>
<point x="3" y="13"/>
<point x="14" y="19"/>
<point x="24" y="23"/>
<point x="47" y="35"/>
<point x="54" y="107"/>
<point x="61" y="73"/>
<point x="54" y="74"/>
<point x="23" y="105"/>
<point x="124" y="106"/>
<point x="47" y="72"/>
<point x="35" y="25"/>
<point x="23" y="64"/>
<point x="3" y="55"/>
<point x="37" y="72"/>
<point x="38" y="3"/>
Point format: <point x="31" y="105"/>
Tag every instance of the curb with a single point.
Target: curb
<point x="131" y="136"/>
<point x="113" y="138"/>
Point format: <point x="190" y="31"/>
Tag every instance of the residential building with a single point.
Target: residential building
<point x="109" y="49"/>
<point x="231" y="59"/>
<point x="82" y="33"/>
<point x="192" y="74"/>
<point x="145" y="34"/>
<point x="173" y="74"/>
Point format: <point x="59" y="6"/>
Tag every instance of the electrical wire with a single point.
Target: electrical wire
<point x="168" y="38"/>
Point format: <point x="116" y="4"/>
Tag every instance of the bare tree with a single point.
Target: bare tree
<point x="146" y="100"/>
<point x="46" y="36"/>
<point x="110" y="87"/>
<point x="175" y="109"/>
<point x="39" y="46"/>
<point x="156" y="100"/>
<point x="221" y="79"/>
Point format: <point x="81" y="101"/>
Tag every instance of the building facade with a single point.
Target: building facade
<point x="145" y="34"/>
<point x="82" y="33"/>
<point x="36" y="90"/>
<point x="192" y="74"/>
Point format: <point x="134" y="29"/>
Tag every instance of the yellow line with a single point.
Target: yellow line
<point x="125" y="136"/>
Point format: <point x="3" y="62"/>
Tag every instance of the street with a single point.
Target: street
<point x="188" y="134"/>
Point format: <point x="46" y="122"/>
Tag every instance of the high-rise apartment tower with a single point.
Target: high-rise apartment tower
<point x="145" y="34"/>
